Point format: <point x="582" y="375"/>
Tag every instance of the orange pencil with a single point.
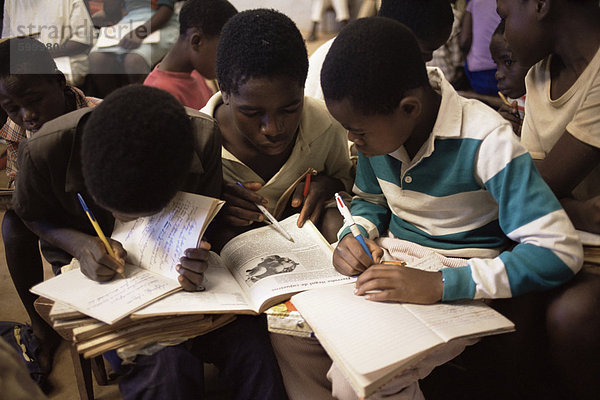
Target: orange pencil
<point x="306" y="185"/>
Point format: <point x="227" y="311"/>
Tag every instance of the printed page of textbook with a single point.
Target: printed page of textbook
<point x="257" y="269"/>
<point x="270" y="268"/>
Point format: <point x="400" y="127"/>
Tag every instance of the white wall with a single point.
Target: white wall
<point x="297" y="10"/>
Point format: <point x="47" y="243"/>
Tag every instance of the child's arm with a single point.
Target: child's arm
<point x="548" y="251"/>
<point x="567" y="164"/>
<point x="134" y="39"/>
<point x="95" y="261"/>
<point x="397" y="283"/>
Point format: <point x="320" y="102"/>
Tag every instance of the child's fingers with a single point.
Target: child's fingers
<point x="298" y="196"/>
<point x="246" y="191"/>
<point x="237" y="216"/>
<point x="312" y="210"/>
<point x="191" y="283"/>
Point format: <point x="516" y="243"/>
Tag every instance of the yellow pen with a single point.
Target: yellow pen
<point x="98" y="230"/>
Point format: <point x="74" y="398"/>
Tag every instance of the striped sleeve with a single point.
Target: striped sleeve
<point x="369" y="207"/>
<point x="548" y="251"/>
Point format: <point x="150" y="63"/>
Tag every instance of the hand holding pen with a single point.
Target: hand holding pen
<point x="354" y="253"/>
<point x="312" y="193"/>
<point x="100" y="260"/>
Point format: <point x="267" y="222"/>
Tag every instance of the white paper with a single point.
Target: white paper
<point x="112" y="35"/>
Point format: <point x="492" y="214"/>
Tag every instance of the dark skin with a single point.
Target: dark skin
<point x="530" y="31"/>
<point x="259" y="126"/>
<point x="193" y="50"/>
<point x="510" y="75"/>
<point x="31" y="101"/>
<point x="409" y="125"/>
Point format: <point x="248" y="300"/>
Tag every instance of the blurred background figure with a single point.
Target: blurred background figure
<point x="478" y="24"/>
<point x="318" y="7"/>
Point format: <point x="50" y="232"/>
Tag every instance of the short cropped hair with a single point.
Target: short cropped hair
<point x="25" y="56"/>
<point x="499" y="29"/>
<point x="208" y="16"/>
<point x="372" y="63"/>
<point x="136" y="149"/>
<point x="428" y="19"/>
<point x="260" y="43"/>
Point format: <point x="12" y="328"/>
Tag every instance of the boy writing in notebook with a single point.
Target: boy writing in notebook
<point x="109" y="155"/>
<point x="272" y="133"/>
<point x="436" y="171"/>
<point x="32" y="91"/>
<point x="191" y="60"/>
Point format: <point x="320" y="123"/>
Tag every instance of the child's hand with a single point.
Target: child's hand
<point x="350" y="259"/>
<point x="322" y="188"/>
<point x="511" y="114"/>
<point x="396" y="283"/>
<point x="240" y="204"/>
<point x="191" y="268"/>
<point x="96" y="263"/>
<point x="132" y="40"/>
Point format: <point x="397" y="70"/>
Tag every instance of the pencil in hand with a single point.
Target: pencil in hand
<point x="99" y="232"/>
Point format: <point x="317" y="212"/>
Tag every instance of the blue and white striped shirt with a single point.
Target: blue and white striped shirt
<point x="470" y="191"/>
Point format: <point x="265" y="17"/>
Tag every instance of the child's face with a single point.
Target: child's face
<point x="373" y="135"/>
<point x="510" y="73"/>
<point x="266" y="112"/>
<point x="204" y="56"/>
<point x="522" y="30"/>
<point x="32" y="101"/>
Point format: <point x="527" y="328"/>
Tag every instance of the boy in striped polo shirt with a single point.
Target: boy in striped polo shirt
<point x="437" y="173"/>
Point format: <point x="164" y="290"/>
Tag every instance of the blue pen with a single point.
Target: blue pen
<point x="350" y="221"/>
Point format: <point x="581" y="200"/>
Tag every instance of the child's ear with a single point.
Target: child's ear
<point x="411" y="106"/>
<point x="195" y="38"/>
<point x="542" y="8"/>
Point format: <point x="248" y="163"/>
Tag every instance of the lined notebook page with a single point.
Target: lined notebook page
<point x="108" y="301"/>
<point x="368" y="335"/>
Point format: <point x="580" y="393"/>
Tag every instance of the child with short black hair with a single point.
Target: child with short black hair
<point x="272" y="133"/>
<point x="109" y="155"/>
<point x="510" y="74"/>
<point x="441" y="174"/>
<point x="32" y="92"/>
<point x="192" y="59"/>
<point x="561" y="130"/>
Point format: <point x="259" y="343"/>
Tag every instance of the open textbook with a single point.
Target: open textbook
<point x="372" y="342"/>
<point x="256" y="270"/>
<point x="154" y="245"/>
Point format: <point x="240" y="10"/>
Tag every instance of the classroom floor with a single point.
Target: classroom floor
<point x="62" y="377"/>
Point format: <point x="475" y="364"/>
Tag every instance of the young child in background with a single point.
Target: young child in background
<point x="318" y="7"/>
<point x="64" y="27"/>
<point x="131" y="60"/>
<point x="478" y="23"/>
<point x="430" y="20"/>
<point x="510" y="74"/>
<point x="109" y="155"/>
<point x="32" y="92"/>
<point x="272" y="133"/>
<point x="426" y="157"/>
<point x="561" y="130"/>
<point x="192" y="60"/>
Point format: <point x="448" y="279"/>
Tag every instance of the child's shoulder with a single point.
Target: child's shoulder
<point x="316" y="119"/>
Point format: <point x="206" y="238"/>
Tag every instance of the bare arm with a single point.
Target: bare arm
<point x="465" y="38"/>
<point x="95" y="262"/>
